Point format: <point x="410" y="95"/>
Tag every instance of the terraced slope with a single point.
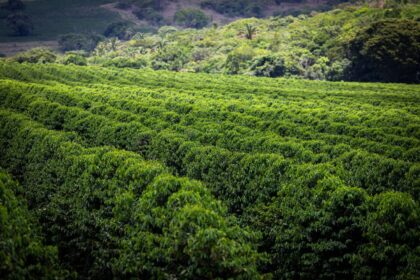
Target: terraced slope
<point x="162" y="174"/>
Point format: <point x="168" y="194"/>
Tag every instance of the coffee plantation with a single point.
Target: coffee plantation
<point x="124" y="173"/>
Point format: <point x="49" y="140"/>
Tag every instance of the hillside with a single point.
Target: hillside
<point x="50" y="19"/>
<point x="322" y="46"/>
<point x="53" y="18"/>
<point x="351" y="43"/>
<point x="164" y="175"/>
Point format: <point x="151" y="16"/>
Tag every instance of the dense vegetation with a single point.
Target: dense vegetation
<point x="354" y="43"/>
<point x="362" y="44"/>
<point x="144" y="174"/>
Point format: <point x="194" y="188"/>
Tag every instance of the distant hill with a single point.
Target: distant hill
<point x="51" y="18"/>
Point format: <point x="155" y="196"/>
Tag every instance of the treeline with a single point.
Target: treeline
<point x="324" y="175"/>
<point x="354" y="43"/>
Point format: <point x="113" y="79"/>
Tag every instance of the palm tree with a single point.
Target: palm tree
<point x="250" y="31"/>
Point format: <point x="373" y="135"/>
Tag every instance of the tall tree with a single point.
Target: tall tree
<point x="387" y="51"/>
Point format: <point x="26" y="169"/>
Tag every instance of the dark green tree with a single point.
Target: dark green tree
<point x="386" y="51"/>
<point x="268" y="66"/>
<point x="121" y="30"/>
<point x="194" y="18"/>
<point x="77" y="42"/>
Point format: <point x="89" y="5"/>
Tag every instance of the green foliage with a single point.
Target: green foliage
<point x="318" y="46"/>
<point x="238" y="58"/>
<point x="114" y="212"/>
<point x="170" y="57"/>
<point x="268" y="66"/>
<point x="78" y="42"/>
<point x="250" y="31"/>
<point x="123" y="62"/>
<point x="234" y="8"/>
<point x="23" y="253"/>
<point x="37" y="55"/>
<point x="120" y="30"/>
<point x="122" y="167"/>
<point x="386" y="51"/>
<point x="393" y="234"/>
<point x="74" y="58"/>
<point x="150" y="15"/>
<point x="193" y="18"/>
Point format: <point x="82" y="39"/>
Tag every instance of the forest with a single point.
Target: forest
<point x="210" y="139"/>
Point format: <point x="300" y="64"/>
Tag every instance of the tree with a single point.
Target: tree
<point x="386" y="51"/>
<point x="250" y="31"/>
<point x="20" y="24"/>
<point x="268" y="66"/>
<point x="121" y="30"/>
<point x="194" y="18"/>
<point x="77" y="42"/>
<point x="37" y="55"/>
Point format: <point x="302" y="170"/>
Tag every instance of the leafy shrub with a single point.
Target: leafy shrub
<point x="23" y="254"/>
<point x="77" y="42"/>
<point x="124" y="62"/>
<point x="189" y="17"/>
<point x="234" y="8"/>
<point x="171" y="57"/>
<point x="74" y="58"/>
<point x="239" y="59"/>
<point x="268" y="66"/>
<point x="150" y="15"/>
<point x="37" y="55"/>
<point x="120" y="30"/>
<point x="115" y="222"/>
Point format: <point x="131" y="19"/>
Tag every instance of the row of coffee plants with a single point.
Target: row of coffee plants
<point x="112" y="214"/>
<point x="279" y="153"/>
<point x="23" y="253"/>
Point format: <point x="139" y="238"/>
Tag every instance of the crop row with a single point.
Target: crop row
<point x="279" y="153"/>
<point x="233" y="176"/>
<point x="111" y="213"/>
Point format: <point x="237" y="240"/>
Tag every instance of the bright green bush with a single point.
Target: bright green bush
<point x="37" y="55"/>
<point x="74" y="58"/>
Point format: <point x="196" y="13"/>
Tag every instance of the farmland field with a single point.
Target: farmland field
<point x="155" y="174"/>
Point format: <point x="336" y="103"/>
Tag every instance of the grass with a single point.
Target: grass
<point x="54" y="17"/>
